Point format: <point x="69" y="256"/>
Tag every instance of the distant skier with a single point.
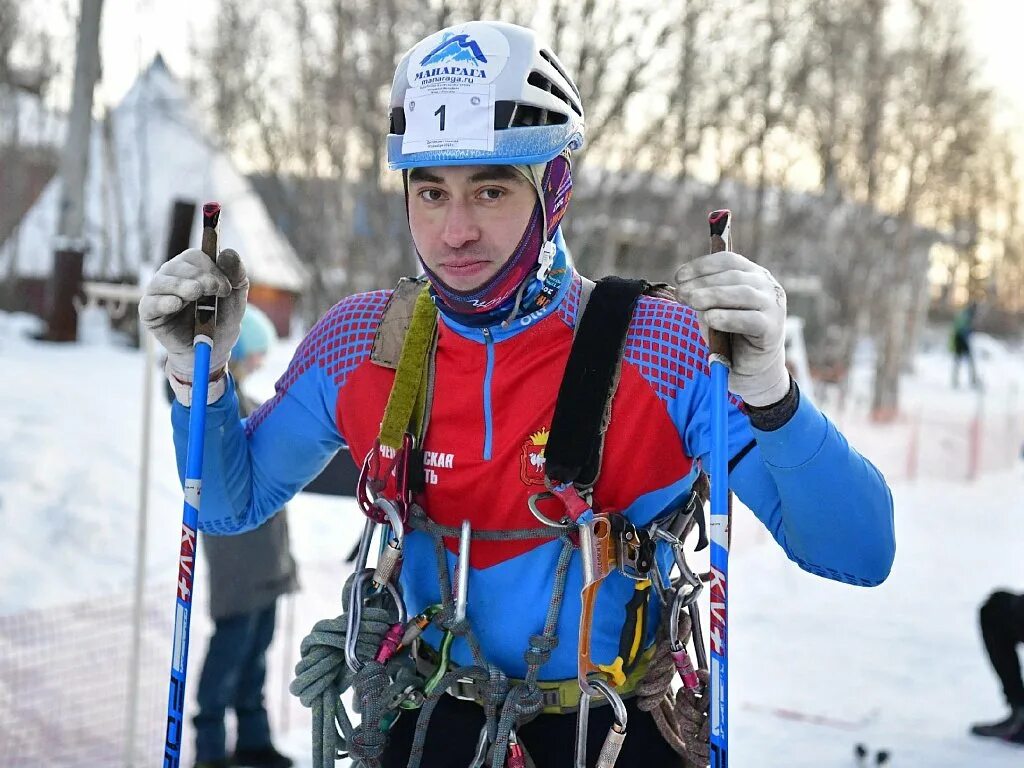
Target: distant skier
<point x="1002" y="628"/>
<point x="960" y="342"/>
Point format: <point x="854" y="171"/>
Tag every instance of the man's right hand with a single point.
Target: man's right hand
<point x="167" y="310"/>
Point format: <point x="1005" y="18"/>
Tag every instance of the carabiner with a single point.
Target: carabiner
<point x="418" y="624"/>
<point x="483" y="741"/>
<point x="515" y="758"/>
<point x="365" y="496"/>
<point x="462" y="582"/>
<point x="616" y="734"/>
<point x="698" y="636"/>
<point x="389" y="562"/>
<point x="683" y="599"/>
<point x="355" y="615"/>
<point x="403" y="488"/>
<point x="445" y="658"/>
<point x="365" y="539"/>
<point x="410" y="697"/>
<point x="461" y="602"/>
<point x="544" y="519"/>
<point x="677" y="648"/>
<point x="677" y="545"/>
<point x="373" y="479"/>
<point x="389" y="645"/>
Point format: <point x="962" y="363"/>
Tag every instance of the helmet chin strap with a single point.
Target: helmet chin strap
<point x="535" y="175"/>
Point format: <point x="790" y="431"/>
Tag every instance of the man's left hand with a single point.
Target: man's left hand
<point x="733" y="294"/>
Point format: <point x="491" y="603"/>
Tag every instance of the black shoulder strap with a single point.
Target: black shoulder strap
<point x="583" y="407"/>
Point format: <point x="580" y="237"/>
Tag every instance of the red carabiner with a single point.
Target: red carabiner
<point x="403" y="489"/>
<point x="373" y="480"/>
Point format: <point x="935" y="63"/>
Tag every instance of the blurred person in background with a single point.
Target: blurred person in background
<point x="960" y="342"/>
<point x="248" y="573"/>
<point x="1002" y="629"/>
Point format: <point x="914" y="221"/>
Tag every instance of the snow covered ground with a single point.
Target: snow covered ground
<point x="815" y="666"/>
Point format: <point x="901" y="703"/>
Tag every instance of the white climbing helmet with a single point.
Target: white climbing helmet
<point x="483" y="92"/>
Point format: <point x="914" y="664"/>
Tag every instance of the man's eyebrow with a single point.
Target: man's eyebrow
<point x="419" y="174"/>
<point x="497" y="173"/>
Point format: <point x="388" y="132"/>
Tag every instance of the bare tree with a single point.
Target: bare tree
<point x="731" y="91"/>
<point x="9" y="25"/>
<point x="27" y="70"/>
<point x="941" y="112"/>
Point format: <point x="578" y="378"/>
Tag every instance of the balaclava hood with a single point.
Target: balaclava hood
<point x="534" y="255"/>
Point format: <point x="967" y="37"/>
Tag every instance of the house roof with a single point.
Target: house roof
<point x="150" y="151"/>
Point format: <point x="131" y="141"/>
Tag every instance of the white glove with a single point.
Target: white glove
<point x="733" y="294"/>
<point x="167" y="310"/>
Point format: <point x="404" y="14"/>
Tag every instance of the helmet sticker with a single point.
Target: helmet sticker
<point x="450" y="102"/>
<point x="465" y="56"/>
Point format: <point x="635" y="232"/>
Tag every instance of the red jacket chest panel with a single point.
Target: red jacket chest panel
<point x="506" y="406"/>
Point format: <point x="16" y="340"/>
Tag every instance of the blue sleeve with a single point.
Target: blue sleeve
<point x="252" y="467"/>
<point x="826" y="505"/>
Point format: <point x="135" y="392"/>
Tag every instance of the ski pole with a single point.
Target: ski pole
<point x="205" y="321"/>
<point x="721" y="354"/>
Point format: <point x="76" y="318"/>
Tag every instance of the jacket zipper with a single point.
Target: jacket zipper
<point x="488" y="426"/>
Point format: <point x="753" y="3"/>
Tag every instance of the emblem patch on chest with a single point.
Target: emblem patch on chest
<point x="531" y="459"/>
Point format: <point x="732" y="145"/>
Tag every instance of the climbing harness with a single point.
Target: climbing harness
<point x="376" y="649"/>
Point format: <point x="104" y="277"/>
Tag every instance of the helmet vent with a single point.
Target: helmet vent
<point x="527" y="115"/>
<point x="538" y="80"/>
<point x="558" y="68"/>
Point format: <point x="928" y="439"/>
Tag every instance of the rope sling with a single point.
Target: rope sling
<point x="373" y="648"/>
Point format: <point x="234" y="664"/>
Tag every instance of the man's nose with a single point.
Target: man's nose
<point x="460" y="226"/>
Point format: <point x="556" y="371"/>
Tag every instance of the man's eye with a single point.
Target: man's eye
<point x="431" y="195"/>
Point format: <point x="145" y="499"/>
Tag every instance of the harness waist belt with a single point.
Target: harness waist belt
<point x="559" y="697"/>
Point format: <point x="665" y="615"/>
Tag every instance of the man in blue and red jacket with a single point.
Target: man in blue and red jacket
<point x="484" y="120"/>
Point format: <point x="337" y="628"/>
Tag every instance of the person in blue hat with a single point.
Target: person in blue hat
<point x="243" y="605"/>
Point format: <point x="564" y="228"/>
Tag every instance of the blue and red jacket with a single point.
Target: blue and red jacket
<point x="495" y="391"/>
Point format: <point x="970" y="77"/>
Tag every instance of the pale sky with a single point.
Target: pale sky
<point x="133" y="31"/>
<point x="995" y="27"/>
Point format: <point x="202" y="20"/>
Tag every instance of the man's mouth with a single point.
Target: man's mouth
<point x="466" y="267"/>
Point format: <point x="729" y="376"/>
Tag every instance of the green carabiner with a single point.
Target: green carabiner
<point x="442" y="666"/>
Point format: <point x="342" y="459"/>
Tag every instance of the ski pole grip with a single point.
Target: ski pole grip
<point x="719" y="222"/>
<point x="206" y="307"/>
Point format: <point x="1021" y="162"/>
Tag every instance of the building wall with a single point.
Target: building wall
<point x="279" y="306"/>
<point x="24" y="172"/>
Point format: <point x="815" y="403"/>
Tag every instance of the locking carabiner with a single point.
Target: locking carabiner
<point x="676" y="647"/>
<point x="389" y="562"/>
<point x="515" y="758"/>
<point x="616" y="733"/>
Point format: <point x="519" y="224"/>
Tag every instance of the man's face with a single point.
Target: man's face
<point x="467" y="220"/>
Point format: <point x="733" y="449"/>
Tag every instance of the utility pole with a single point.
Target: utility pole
<point x="69" y="247"/>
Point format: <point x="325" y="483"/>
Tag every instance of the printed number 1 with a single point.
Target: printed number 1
<point x="440" y="113"/>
